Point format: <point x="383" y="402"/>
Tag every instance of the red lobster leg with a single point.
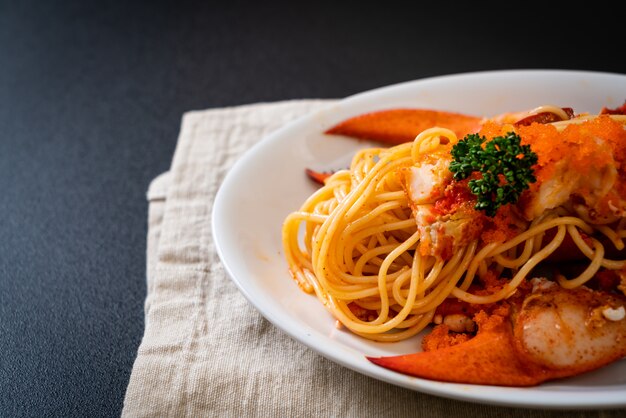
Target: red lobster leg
<point x="396" y="126"/>
<point x="617" y="111"/>
<point x="317" y="176"/>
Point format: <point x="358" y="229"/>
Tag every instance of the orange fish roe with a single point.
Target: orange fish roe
<point x="591" y="144"/>
<point x="505" y="225"/>
<point x="493" y="129"/>
<point x="441" y="337"/>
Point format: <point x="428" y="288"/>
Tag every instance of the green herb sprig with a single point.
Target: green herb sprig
<point x="505" y="168"/>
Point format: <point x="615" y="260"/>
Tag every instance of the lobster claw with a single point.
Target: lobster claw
<point x="553" y="333"/>
<point x="487" y="359"/>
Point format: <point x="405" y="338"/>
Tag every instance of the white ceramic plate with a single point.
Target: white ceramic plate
<point x="268" y="182"/>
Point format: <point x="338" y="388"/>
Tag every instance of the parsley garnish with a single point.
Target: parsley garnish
<point x="505" y="168"/>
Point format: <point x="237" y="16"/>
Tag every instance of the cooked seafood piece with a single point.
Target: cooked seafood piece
<point x="551" y="333"/>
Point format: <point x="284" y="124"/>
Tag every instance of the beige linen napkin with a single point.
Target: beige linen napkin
<point x="206" y="352"/>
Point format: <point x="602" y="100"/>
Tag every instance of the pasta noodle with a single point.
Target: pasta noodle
<point x="359" y="245"/>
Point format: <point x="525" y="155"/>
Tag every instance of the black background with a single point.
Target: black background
<point x="91" y="96"/>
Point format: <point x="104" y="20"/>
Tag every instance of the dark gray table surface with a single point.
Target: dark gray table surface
<point x="91" y="96"/>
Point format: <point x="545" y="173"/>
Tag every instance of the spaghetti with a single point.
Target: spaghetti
<point x="385" y="242"/>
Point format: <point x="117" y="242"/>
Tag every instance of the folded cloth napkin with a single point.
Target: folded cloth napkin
<point x="206" y="351"/>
